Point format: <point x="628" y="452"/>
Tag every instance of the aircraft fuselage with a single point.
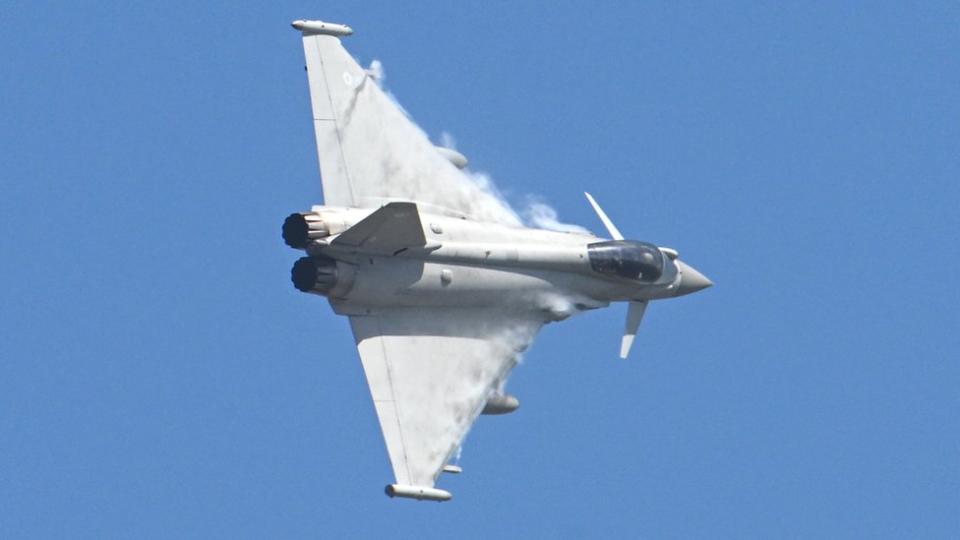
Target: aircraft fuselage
<point x="467" y="263"/>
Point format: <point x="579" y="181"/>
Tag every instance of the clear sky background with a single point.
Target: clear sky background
<point x="161" y="378"/>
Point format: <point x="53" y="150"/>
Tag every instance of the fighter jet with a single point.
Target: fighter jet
<point x="443" y="284"/>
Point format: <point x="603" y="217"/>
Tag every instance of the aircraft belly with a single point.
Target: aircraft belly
<point x="398" y="282"/>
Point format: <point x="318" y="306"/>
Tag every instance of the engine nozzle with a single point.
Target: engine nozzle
<point x="316" y="275"/>
<point x="300" y="228"/>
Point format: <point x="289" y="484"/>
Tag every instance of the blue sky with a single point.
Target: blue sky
<point x="162" y="378"/>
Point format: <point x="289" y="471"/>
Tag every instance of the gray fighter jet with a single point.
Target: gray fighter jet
<point x="443" y="285"/>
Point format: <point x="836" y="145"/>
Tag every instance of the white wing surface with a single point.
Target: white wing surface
<point x="430" y="372"/>
<point x="371" y="153"/>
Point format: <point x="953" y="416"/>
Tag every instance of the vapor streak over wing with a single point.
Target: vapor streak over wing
<point x="430" y="372"/>
<point x="371" y="153"/>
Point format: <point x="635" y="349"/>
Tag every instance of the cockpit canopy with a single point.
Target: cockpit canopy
<point x="627" y="259"/>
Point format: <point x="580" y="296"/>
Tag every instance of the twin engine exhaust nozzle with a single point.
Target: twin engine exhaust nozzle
<point x="309" y="274"/>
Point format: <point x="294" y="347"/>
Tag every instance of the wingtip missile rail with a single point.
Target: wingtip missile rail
<point x="420" y="493"/>
<point x="320" y="27"/>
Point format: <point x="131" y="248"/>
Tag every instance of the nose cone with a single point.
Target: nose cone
<point x="691" y="281"/>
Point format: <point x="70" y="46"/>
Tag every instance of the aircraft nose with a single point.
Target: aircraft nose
<point x="691" y="281"/>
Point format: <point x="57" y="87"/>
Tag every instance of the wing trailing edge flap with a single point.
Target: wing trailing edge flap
<point x="389" y="230"/>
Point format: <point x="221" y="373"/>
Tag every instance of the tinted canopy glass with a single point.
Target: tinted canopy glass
<point x="627" y="259"/>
